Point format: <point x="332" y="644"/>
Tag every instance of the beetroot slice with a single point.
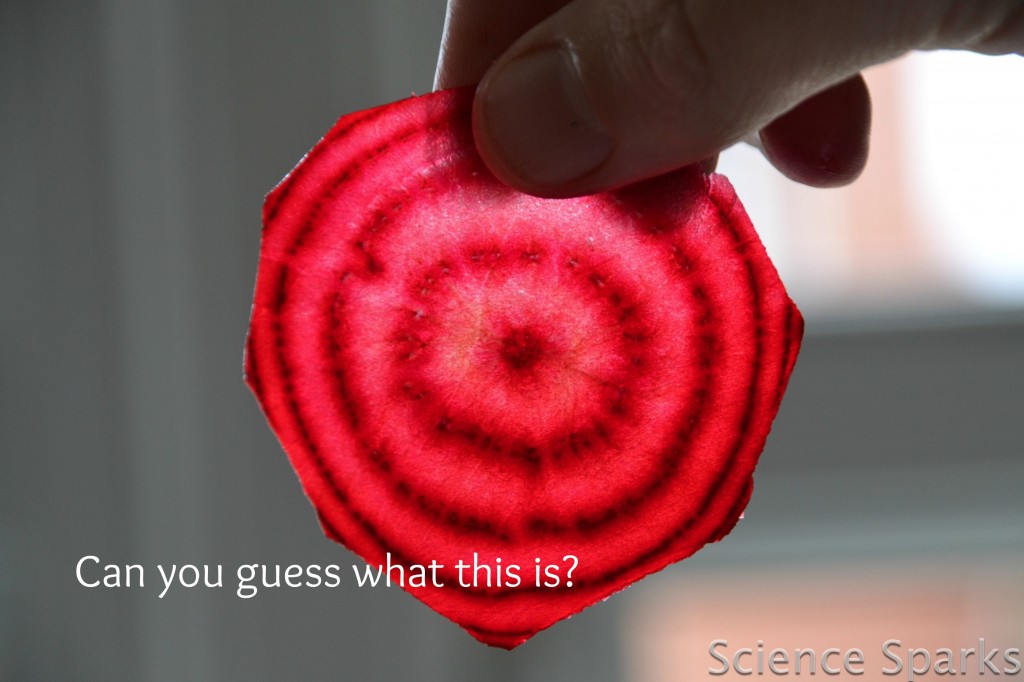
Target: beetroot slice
<point x="458" y="369"/>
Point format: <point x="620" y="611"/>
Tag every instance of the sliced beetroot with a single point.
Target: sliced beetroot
<point x="458" y="370"/>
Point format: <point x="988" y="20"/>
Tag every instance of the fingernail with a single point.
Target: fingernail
<point x="540" y="121"/>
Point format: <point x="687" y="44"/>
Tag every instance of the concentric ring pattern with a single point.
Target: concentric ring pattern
<point x="457" y="370"/>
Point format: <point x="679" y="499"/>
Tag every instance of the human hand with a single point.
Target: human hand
<point x="585" y="95"/>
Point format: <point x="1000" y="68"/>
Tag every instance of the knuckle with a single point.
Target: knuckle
<point x="664" y="49"/>
<point x="993" y="27"/>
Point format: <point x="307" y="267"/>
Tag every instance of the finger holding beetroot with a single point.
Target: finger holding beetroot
<point x="583" y="96"/>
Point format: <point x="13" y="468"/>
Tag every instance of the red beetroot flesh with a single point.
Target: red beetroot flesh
<point x="454" y="367"/>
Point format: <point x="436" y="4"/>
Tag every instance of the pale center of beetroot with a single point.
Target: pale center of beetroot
<point x="521" y="348"/>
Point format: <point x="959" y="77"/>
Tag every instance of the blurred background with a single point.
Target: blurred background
<point x="137" y="139"/>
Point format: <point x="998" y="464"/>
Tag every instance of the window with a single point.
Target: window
<point x="935" y="224"/>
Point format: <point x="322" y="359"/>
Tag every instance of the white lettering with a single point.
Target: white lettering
<point x="778" y="657"/>
<point x="987" y="660"/>
<point x="892" y="657"/>
<point x="166" y="578"/>
<point x="736" y="661"/>
<point x="825" y="667"/>
<point x="78" y="571"/>
<point x="854" y="657"/>
<point x="1012" y="656"/>
<point x="914" y="669"/>
<point x="718" y="657"/>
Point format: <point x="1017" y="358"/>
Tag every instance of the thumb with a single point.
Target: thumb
<point x="607" y="92"/>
